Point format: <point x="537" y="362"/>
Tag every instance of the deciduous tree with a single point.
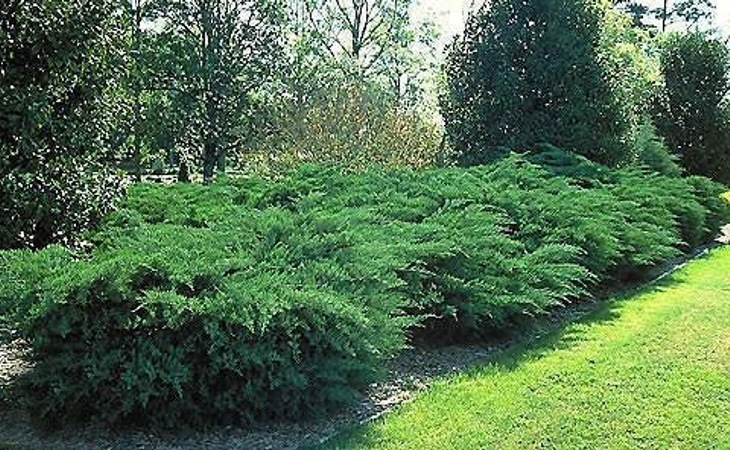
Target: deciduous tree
<point x="370" y="39"/>
<point x="222" y="50"/>
<point x="693" y="13"/>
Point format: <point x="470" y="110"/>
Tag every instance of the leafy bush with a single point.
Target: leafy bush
<point x="653" y="154"/>
<point x="55" y="204"/>
<point x="22" y="274"/>
<point x="58" y="64"/>
<point x="264" y="316"/>
<point x="716" y="203"/>
<point x="353" y="125"/>
<point x="250" y="299"/>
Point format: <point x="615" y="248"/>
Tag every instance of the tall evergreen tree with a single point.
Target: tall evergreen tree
<point x="532" y="72"/>
<point x="692" y="113"/>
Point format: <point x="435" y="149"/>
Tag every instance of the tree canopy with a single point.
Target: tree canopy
<point x="56" y="120"/>
<point x="692" y="112"/>
<point x="535" y="72"/>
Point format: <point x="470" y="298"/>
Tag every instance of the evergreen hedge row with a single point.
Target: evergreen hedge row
<point x="253" y="299"/>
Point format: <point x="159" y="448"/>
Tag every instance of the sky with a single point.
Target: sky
<point x="451" y="14"/>
<point x="723" y="15"/>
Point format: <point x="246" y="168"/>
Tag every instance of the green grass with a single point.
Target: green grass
<point x="649" y="370"/>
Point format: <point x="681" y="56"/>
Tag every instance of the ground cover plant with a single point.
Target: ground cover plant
<point x="252" y="299"/>
<point x="649" y="370"/>
<point x="265" y="315"/>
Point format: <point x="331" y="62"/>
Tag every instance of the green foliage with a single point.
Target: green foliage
<point x="251" y="299"/>
<point x="692" y="112"/>
<point x="191" y="76"/>
<point x="55" y="74"/>
<point x="537" y="71"/>
<point x="568" y="164"/>
<point x="690" y="13"/>
<point x="377" y="42"/>
<point x="716" y="202"/>
<point x="653" y="154"/>
<point x="21" y="275"/>
<point x="265" y="315"/>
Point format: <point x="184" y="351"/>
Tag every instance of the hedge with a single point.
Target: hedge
<point x="252" y="299"/>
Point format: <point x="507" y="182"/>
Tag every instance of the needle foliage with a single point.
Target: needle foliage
<point x="250" y="299"/>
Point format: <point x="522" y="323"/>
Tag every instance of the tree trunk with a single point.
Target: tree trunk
<point x="210" y="157"/>
<point x="221" y="161"/>
<point x="137" y="143"/>
<point x="183" y="171"/>
<point x="665" y="12"/>
<point x="137" y="91"/>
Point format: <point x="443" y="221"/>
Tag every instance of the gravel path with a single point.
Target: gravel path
<point x="725" y="235"/>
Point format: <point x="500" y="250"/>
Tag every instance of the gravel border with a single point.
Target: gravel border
<point x="724" y="237"/>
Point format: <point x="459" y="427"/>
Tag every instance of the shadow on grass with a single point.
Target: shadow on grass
<point x="531" y="341"/>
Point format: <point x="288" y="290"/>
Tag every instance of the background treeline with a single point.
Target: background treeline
<point x="194" y="87"/>
<point x="197" y="86"/>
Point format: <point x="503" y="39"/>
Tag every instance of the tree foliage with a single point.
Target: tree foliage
<point x="535" y="71"/>
<point x="692" y="112"/>
<point x="225" y="48"/>
<point x="644" y="14"/>
<point x="373" y="40"/>
<point x="56" y="74"/>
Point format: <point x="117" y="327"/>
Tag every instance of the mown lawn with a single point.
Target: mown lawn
<point x="651" y="370"/>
